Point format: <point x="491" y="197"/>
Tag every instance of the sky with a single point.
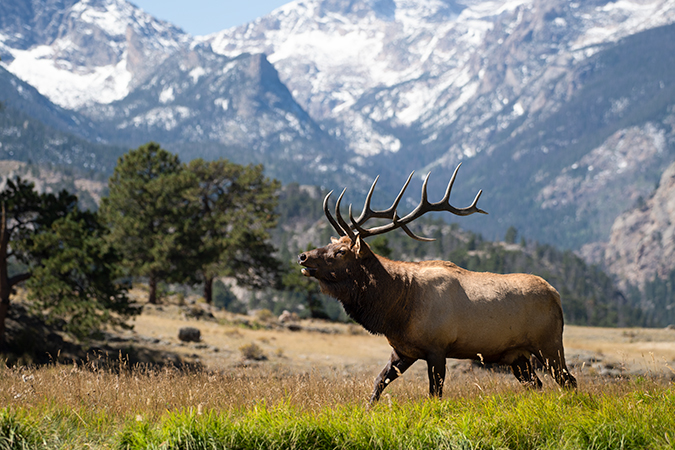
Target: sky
<point x="199" y="17"/>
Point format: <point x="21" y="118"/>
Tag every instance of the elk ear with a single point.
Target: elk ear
<point x="334" y="240"/>
<point x="360" y="247"/>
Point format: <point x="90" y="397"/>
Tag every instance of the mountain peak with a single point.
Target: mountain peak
<point x="82" y="52"/>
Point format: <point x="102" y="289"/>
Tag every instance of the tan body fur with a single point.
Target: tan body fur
<point x="436" y="310"/>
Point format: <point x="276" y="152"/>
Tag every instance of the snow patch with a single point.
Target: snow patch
<point x="167" y="95"/>
<point x="167" y="118"/>
<point x="66" y="88"/>
<point x="223" y="103"/>
<point x="196" y="73"/>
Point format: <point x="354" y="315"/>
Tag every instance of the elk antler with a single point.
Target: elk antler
<point x="390" y="213"/>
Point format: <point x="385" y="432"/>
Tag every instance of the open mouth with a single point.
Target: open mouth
<point x="308" y="271"/>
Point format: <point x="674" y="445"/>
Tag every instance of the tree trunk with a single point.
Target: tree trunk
<point x="208" y="289"/>
<point x="152" y="295"/>
<point x="5" y="288"/>
<point x="4" y="309"/>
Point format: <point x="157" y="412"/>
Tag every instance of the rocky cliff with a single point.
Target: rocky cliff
<point x="642" y="240"/>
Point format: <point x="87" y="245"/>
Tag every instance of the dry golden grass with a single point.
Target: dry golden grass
<point x="347" y="348"/>
<point x="334" y="364"/>
<point x="311" y="390"/>
<point x="129" y="391"/>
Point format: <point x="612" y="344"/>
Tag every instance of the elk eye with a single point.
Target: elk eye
<point x="340" y="252"/>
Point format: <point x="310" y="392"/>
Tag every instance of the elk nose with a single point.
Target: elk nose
<point x="302" y="257"/>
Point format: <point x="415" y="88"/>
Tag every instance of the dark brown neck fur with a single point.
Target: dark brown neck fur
<point x="377" y="297"/>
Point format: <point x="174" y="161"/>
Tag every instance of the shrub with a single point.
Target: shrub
<point x="252" y="351"/>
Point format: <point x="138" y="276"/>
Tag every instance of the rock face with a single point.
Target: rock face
<point x="642" y="241"/>
<point x="611" y="178"/>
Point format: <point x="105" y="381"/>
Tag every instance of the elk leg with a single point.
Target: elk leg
<point x="396" y="366"/>
<point x="523" y="370"/>
<point x="554" y="362"/>
<point x="436" y="370"/>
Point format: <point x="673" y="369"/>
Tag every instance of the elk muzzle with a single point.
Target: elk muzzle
<point x="303" y="260"/>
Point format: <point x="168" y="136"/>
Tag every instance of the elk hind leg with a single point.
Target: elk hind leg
<point x="436" y="371"/>
<point x="395" y="368"/>
<point x="524" y="372"/>
<point x="553" y="360"/>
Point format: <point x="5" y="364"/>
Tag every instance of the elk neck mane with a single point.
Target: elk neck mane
<point x="377" y="295"/>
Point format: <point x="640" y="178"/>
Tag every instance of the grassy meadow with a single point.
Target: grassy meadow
<point x="137" y="408"/>
<point x="309" y="390"/>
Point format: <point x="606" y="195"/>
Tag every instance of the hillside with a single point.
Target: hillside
<point x="642" y="243"/>
<point x="34" y="130"/>
<point x="54" y="179"/>
<point x="306" y="345"/>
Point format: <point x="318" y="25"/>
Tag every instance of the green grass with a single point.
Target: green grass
<point x="638" y="414"/>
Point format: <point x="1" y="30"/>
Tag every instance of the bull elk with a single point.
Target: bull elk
<point x="433" y="310"/>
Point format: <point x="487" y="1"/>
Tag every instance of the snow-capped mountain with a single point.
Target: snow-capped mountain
<point x="374" y="68"/>
<point x="138" y="79"/>
<point x="239" y="102"/>
<point x="563" y="111"/>
<point x="33" y="129"/>
<point x="82" y="52"/>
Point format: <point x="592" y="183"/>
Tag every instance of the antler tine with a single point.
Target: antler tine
<point x="422" y="208"/>
<point x="340" y="220"/>
<point x="460" y="211"/>
<point x="388" y="213"/>
<point x="394" y="205"/>
<point x="330" y="218"/>
<point x="414" y="236"/>
<point x="355" y="223"/>
<point x="446" y="197"/>
<point x="424" y="205"/>
<point x="425" y="196"/>
<point x="363" y="217"/>
<point x="473" y="208"/>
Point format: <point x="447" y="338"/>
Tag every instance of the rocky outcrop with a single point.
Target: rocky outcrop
<point x="642" y="241"/>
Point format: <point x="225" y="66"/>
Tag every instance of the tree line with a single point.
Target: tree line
<point x="163" y="220"/>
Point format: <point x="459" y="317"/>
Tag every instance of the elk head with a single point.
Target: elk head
<point x="336" y="261"/>
<point x="336" y="258"/>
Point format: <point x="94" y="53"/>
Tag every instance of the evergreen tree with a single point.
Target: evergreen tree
<point x="73" y="275"/>
<point x="511" y="235"/>
<point x="53" y="239"/>
<point x="147" y="211"/>
<point x="24" y="212"/>
<point x="234" y="211"/>
<point x="380" y="245"/>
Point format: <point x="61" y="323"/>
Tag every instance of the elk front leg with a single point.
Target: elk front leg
<point x="436" y="370"/>
<point x="396" y="366"/>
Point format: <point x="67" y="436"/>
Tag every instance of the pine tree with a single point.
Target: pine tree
<point x="234" y="211"/>
<point x="74" y="275"/>
<point x="55" y="241"/>
<point x="147" y="211"/>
